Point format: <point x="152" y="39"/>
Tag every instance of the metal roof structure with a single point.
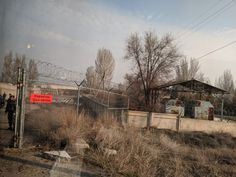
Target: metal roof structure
<point x="192" y="85"/>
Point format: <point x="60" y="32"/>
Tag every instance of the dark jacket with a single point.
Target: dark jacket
<point x="4" y="96"/>
<point x="11" y="106"/>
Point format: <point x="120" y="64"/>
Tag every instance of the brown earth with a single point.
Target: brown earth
<point x="29" y="162"/>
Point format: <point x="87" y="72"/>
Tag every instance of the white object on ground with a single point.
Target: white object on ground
<point x="81" y="144"/>
<point x="59" y="154"/>
<point x="109" y="151"/>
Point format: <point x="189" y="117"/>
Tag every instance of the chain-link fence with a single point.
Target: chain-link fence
<point x="41" y="102"/>
<point x="104" y="103"/>
<point x="45" y="95"/>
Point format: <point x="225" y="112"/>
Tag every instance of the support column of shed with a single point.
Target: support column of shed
<point x="222" y="107"/>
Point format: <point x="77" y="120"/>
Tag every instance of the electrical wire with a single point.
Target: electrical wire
<point x="207" y="19"/>
<point x="199" y="17"/>
<point x="215" y="50"/>
<point x="210" y="52"/>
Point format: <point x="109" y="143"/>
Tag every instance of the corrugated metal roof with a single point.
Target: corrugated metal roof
<point x="193" y="85"/>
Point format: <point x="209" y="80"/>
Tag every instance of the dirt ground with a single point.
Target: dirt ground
<point x="15" y="162"/>
<point x="29" y="162"/>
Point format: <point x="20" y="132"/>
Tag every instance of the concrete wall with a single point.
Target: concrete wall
<point x="164" y="121"/>
<point x="207" y="126"/>
<point x="170" y="121"/>
<point x="137" y="118"/>
<point x="144" y="119"/>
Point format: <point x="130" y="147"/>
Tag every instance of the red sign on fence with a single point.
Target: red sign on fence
<point x="40" y="98"/>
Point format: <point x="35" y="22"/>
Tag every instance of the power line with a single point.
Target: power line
<point x="213" y="51"/>
<point x="208" y="53"/>
<point x="207" y="19"/>
<point x="199" y="17"/>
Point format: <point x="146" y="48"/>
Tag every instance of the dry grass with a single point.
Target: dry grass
<point x="59" y="126"/>
<point x="141" y="153"/>
<point x="164" y="153"/>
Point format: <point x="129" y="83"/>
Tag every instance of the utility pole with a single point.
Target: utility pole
<point x="20" y="108"/>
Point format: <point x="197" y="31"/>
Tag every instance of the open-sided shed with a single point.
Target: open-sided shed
<point x="192" y="86"/>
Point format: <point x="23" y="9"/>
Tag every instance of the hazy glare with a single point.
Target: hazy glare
<point x="69" y="32"/>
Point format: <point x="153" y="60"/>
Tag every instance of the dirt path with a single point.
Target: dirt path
<point x="23" y="163"/>
<point x="5" y="134"/>
<point x="15" y="162"/>
<point x="28" y="161"/>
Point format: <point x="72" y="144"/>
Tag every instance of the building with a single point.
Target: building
<point x="194" y="108"/>
<point x="7" y="88"/>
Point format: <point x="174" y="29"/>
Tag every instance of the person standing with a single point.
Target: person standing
<point x="4" y="98"/>
<point x="11" y="111"/>
<point x="1" y="101"/>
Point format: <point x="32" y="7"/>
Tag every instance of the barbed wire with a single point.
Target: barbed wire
<point x="50" y="72"/>
<point x="54" y="74"/>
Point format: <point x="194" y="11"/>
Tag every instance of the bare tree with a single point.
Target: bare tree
<point x="226" y="81"/>
<point x="135" y="92"/>
<point x="33" y="73"/>
<point x="104" y="66"/>
<point x="7" y="70"/>
<point x="187" y="70"/>
<point x="234" y="98"/>
<point x="153" y="58"/>
<point x="91" y="77"/>
<point x="20" y="62"/>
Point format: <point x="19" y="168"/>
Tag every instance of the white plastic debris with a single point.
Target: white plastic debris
<point x="81" y="144"/>
<point x="57" y="154"/>
<point x="109" y="151"/>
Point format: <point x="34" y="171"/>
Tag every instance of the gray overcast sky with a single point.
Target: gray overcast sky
<point x="69" y="32"/>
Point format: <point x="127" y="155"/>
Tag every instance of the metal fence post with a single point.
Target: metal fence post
<point x="222" y="107"/>
<point x="22" y="113"/>
<point x="17" y="117"/>
<point x="78" y="85"/>
<point x="77" y="108"/>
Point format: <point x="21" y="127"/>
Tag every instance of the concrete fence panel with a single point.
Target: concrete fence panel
<point x="164" y="121"/>
<point x="170" y="121"/>
<point x="207" y="126"/>
<point x="137" y="118"/>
